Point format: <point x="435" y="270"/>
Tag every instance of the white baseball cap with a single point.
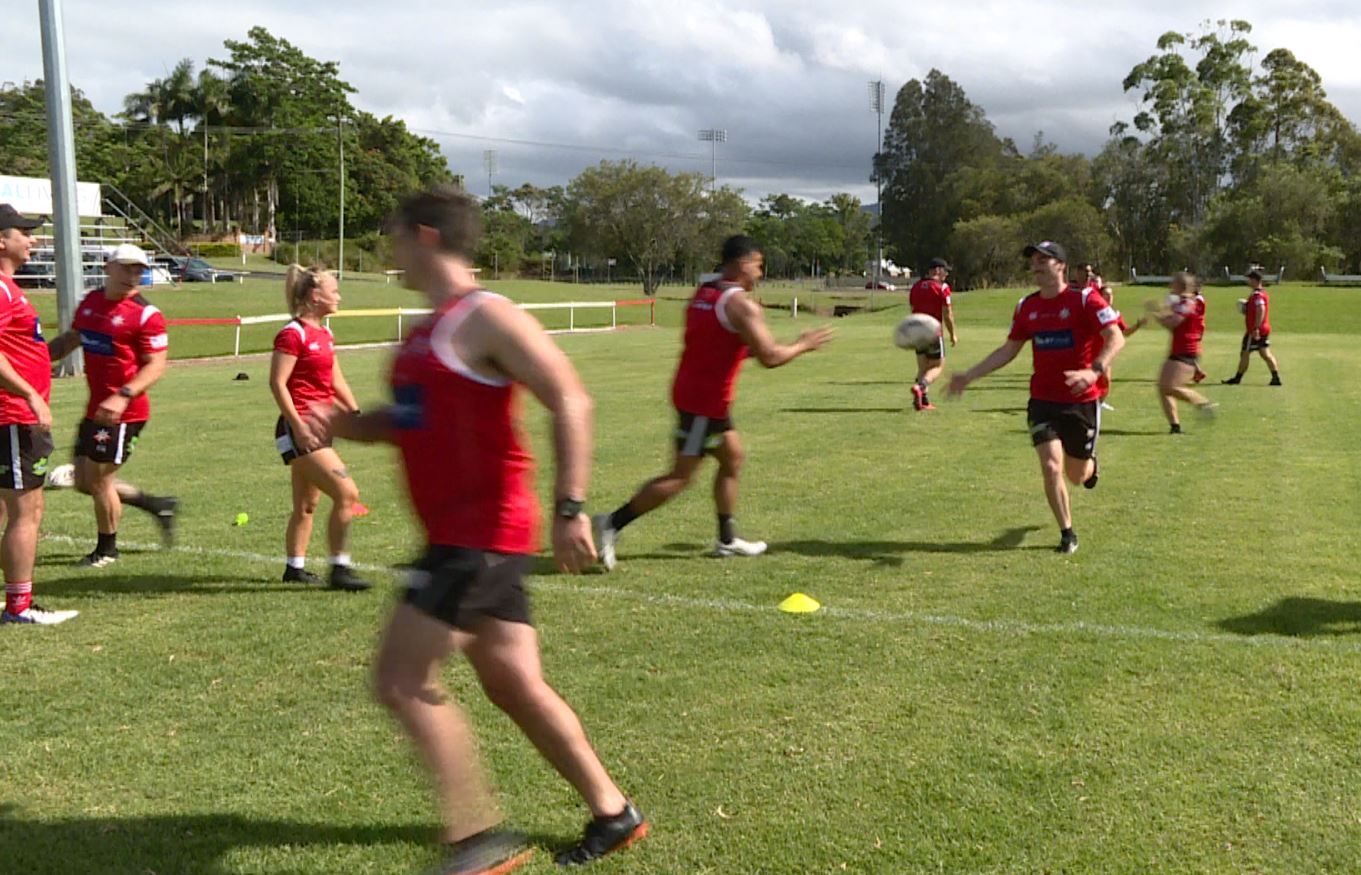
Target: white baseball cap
<point x="127" y="253"/>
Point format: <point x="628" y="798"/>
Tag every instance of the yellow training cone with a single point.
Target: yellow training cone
<point x="798" y="603"/>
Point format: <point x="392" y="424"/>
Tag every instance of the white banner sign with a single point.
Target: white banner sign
<point x="34" y="196"/>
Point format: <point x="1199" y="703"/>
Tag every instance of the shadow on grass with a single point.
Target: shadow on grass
<point x="1299" y="618"/>
<point x="183" y="843"/>
<point x="898" y="409"/>
<point x="1009" y="411"/>
<point x="1125" y="432"/>
<point x="891" y="552"/>
<point x="97" y="580"/>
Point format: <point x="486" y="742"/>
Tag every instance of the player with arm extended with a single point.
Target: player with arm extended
<point x="931" y="295"/>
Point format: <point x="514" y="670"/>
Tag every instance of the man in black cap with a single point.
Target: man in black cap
<point x="1063" y="323"/>
<point x="1257" y="336"/>
<point x="931" y="295"/>
<point x="25" y="426"/>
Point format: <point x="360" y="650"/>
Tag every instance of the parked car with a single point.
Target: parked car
<point x="193" y="270"/>
<point x="36" y="275"/>
<point x="883" y="284"/>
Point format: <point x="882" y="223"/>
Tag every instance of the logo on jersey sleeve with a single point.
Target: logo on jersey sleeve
<point x="1107" y="315"/>
<point x="408" y="408"/>
<point x="1051" y="340"/>
<point x="96" y="342"/>
<point x="159" y="341"/>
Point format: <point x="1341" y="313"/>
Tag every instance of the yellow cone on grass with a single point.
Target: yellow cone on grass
<point x="798" y="603"/>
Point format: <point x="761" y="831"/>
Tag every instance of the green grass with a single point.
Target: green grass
<point x="1176" y="697"/>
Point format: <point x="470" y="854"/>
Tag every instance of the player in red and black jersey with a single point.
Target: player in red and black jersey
<point x="454" y="418"/>
<point x="25" y="426"/>
<point x="124" y="342"/>
<point x="304" y="373"/>
<point x="722" y="326"/>
<point x="1062" y="323"/>
<point x="1257" y="334"/>
<point x="1184" y="315"/>
<point x="931" y="295"/>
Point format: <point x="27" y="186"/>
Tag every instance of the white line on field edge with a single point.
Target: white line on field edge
<point x="733" y="606"/>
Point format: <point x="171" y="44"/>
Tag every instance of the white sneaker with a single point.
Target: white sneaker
<point x="36" y="616"/>
<point x="1105" y="406"/>
<point x="605" y="536"/>
<point x="1209" y="410"/>
<point x="739" y="547"/>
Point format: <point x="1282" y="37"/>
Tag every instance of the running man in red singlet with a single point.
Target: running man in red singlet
<point x="722" y="326"/>
<point x="931" y="295"/>
<point x="25" y="426"/>
<point x="1257" y="336"/>
<point x="1184" y="316"/>
<point x="304" y="372"/>
<point x="1062" y="323"/>
<point x="125" y="345"/>
<point x="468" y="471"/>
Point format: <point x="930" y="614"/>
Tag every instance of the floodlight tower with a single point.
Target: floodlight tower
<point x="713" y="136"/>
<point x="489" y="162"/>
<point x="61" y="162"/>
<point x="877" y="107"/>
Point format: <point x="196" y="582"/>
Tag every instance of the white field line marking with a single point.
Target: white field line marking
<point x="1015" y="628"/>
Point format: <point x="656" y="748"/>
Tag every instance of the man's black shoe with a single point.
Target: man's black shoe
<point x="165" y="517"/>
<point x="606" y="834"/>
<point x="1067" y="542"/>
<point x="1090" y="482"/>
<point x="1233" y="381"/>
<point x="493" y="852"/>
<point x="301" y="575"/>
<point x="343" y="577"/>
<point x="1275" y="381"/>
<point x="1176" y="428"/>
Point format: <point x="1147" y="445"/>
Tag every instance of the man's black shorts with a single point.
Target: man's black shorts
<point x="935" y="352"/>
<point x="459" y="586"/>
<point x="1250" y="345"/>
<point x="24" y="452"/>
<point x="287" y="446"/>
<point x="1186" y="360"/>
<point x="697" y="435"/>
<point x="107" y="443"/>
<point x="1076" y="426"/>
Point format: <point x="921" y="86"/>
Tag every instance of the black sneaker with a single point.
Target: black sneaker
<point x="301" y="575"/>
<point x="492" y="852"/>
<point x="1176" y="428"/>
<point x="604" y="835"/>
<point x="1232" y="381"/>
<point x="165" y="516"/>
<point x="1275" y="381"/>
<point x="1067" y="543"/>
<point x="343" y="577"/>
<point x="96" y="560"/>
<point x="1090" y="482"/>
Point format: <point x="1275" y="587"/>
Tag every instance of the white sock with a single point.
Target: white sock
<point x="296" y="561"/>
<point x="340" y="559"/>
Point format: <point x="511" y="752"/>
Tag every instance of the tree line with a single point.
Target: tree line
<point x="1228" y="161"/>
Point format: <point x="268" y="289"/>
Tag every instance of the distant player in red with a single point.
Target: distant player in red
<point x="722" y="326"/>
<point x="25" y="426"/>
<point x="1257" y="337"/>
<point x="125" y="346"/>
<point x="1183" y="315"/>
<point x="1061" y="322"/>
<point x="304" y="372"/>
<point x="454" y="419"/>
<point x="931" y="295"/>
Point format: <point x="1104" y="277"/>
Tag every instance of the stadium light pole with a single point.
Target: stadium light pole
<point x="489" y="162"/>
<point x="877" y="107"/>
<point x="340" y="145"/>
<point x="61" y="160"/>
<point x="713" y="136"/>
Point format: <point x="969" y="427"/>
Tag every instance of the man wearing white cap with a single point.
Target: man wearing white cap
<point x="25" y="426"/>
<point x="124" y="341"/>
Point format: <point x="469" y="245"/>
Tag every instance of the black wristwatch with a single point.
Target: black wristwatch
<point x="568" y="508"/>
<point x="1098" y="367"/>
<point x="125" y="392"/>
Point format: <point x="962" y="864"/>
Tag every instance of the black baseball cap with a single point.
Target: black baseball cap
<point x="12" y="218"/>
<point x="1047" y="247"/>
<point x="1255" y="273"/>
<point x="938" y="262"/>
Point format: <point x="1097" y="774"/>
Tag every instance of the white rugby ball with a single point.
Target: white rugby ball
<point x="917" y="332"/>
<point x="62" y="477"/>
<point x="1242" y="305"/>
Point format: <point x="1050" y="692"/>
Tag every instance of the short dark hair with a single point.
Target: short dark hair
<point x="450" y="211"/>
<point x="739" y="246"/>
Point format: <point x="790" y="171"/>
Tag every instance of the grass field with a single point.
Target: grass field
<point x="1179" y="696"/>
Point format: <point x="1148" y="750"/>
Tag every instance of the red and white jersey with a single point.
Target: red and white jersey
<point x="929" y="297"/>
<point x="118" y="337"/>
<point x="1187" y="335"/>
<point x="706" y="379"/>
<point x="1061" y="331"/>
<point x="467" y="468"/>
<point x="22" y="344"/>
<point x="314" y="347"/>
<point x="1258" y="307"/>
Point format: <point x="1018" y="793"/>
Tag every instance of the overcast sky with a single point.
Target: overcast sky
<point x="555" y="87"/>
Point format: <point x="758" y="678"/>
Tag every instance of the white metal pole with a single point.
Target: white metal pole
<point x="340" y="139"/>
<point x="61" y="159"/>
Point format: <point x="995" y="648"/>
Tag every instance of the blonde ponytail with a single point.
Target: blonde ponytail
<point x="299" y="283"/>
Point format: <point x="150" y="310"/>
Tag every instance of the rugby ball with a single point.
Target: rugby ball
<point x="917" y="332"/>
<point x="1242" y="305"/>
<point x="62" y="477"/>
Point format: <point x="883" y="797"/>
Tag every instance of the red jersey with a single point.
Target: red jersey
<point x="706" y="379"/>
<point x="467" y="468"/>
<point x="1258" y="301"/>
<point x="930" y="297"/>
<point x="118" y="337"/>
<point x="1061" y="331"/>
<point x="314" y="347"/>
<point x="21" y="342"/>
<point x="1187" y="335"/>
